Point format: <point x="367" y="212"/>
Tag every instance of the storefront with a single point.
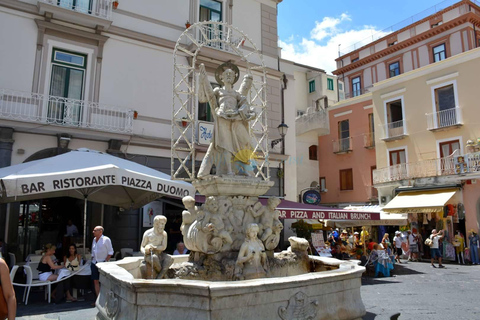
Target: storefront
<point x="428" y="209"/>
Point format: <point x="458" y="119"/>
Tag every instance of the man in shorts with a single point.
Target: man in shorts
<point x="398" y="245"/>
<point x="434" y="249"/>
<point x="102" y="251"/>
<point x="413" y="246"/>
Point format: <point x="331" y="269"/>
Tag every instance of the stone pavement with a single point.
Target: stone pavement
<point x="417" y="291"/>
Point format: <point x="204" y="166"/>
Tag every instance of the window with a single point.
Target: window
<point x="346" y="179"/>
<point x="394" y="69"/>
<point x="448" y="148"/>
<point x="84" y="6"/>
<point x="210" y="10"/>
<point x="439" y="53"/>
<point x="445" y="105"/>
<point x="397" y="157"/>
<point x="66" y="84"/>
<point x="392" y="43"/>
<point x="204" y="113"/>
<point x="323" y="183"/>
<point x="330" y="84"/>
<point x="395" y="118"/>
<point x="312" y="153"/>
<point x="311" y="86"/>
<point x="343" y="135"/>
<point x="356" y="86"/>
<point x="370" y="137"/>
<point x="355" y="60"/>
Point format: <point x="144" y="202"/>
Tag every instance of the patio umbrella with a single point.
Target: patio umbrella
<point x="89" y="175"/>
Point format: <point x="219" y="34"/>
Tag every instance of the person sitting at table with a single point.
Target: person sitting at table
<point x="180" y="249"/>
<point x="72" y="260"/>
<point x="46" y="269"/>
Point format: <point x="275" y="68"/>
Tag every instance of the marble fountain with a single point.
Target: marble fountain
<point x="232" y="271"/>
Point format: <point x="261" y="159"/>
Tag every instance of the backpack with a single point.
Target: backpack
<point x="429" y="242"/>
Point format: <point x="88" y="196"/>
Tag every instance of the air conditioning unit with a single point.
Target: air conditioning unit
<point x="385" y="199"/>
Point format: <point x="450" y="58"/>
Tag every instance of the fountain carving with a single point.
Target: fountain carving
<point x="232" y="271"/>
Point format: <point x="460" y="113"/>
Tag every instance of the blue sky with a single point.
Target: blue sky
<point x="311" y="30"/>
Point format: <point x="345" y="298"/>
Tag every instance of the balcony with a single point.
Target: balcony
<point x="369" y="140"/>
<point x="313" y="120"/>
<point x="357" y="93"/>
<point x="219" y="36"/>
<point x="89" y="13"/>
<point x="394" y="131"/>
<point x="445" y="119"/>
<point x="343" y="146"/>
<point x="59" y="111"/>
<point x="427" y="168"/>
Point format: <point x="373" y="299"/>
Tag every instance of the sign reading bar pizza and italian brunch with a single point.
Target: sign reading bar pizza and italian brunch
<point x="330" y="215"/>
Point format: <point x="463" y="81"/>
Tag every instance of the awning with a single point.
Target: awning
<point x="296" y="210"/>
<point x="420" y="201"/>
<point x="386" y="219"/>
<point x="315" y="224"/>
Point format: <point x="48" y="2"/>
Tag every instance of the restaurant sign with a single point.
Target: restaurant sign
<point x="329" y="214"/>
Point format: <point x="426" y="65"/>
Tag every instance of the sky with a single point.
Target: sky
<point x="310" y="31"/>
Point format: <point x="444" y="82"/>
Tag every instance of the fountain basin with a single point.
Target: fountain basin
<point x="333" y="294"/>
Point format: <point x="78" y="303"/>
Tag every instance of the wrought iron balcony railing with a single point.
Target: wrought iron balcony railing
<point x="343" y="145"/>
<point x="36" y="107"/>
<point x="99" y="8"/>
<point x="427" y="168"/>
<point x="356" y="93"/>
<point x="445" y="118"/>
<point x="394" y="130"/>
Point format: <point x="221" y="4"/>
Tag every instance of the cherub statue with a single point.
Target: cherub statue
<point x="231" y="112"/>
<point x="213" y="223"/>
<point x="189" y="215"/>
<point x="252" y="260"/>
<point x="153" y="245"/>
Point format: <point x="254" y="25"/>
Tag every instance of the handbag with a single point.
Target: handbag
<point x="3" y="305"/>
<point x="429" y="242"/>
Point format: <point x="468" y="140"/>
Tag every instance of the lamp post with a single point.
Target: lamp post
<point x="282" y="130"/>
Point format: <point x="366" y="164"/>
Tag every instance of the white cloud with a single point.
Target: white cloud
<point x="321" y="48"/>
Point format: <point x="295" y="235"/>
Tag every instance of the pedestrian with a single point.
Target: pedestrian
<point x="434" y="248"/>
<point x="413" y="246"/>
<point x="473" y="242"/>
<point x="102" y="251"/>
<point x="398" y="245"/>
<point x="8" y="294"/>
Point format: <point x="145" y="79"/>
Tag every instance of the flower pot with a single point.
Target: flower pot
<point x="184" y="123"/>
<point x="115" y="4"/>
<point x="188" y="25"/>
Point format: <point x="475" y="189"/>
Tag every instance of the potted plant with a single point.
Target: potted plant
<point x="115" y="4"/>
<point x="187" y="24"/>
<point x="184" y="122"/>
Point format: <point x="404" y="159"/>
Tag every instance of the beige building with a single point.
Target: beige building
<point x="427" y="163"/>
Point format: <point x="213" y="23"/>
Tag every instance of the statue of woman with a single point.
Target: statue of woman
<point x="252" y="259"/>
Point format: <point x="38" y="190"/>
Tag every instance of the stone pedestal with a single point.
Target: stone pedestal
<point x="232" y="186"/>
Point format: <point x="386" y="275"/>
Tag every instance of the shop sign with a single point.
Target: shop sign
<point x="312" y="197"/>
<point x="330" y="215"/>
<point x="461" y="165"/>
<point x="205" y="133"/>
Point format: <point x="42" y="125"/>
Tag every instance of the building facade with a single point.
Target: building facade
<point x="436" y="34"/>
<point x="98" y="74"/>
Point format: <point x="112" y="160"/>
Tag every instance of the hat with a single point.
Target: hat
<point x="397" y="232"/>
<point x="409" y="231"/>
<point x="472" y="231"/>
<point x="344" y="231"/>
<point x="355" y="232"/>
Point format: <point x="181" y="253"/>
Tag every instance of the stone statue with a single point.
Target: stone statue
<point x="189" y="215"/>
<point x="153" y="245"/>
<point x="252" y="260"/>
<point x="270" y="225"/>
<point x="213" y="223"/>
<point x="231" y="143"/>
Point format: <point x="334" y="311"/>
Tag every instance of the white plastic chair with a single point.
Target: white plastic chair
<point x="35" y="283"/>
<point x="13" y="261"/>
<point x="124" y="252"/>
<point x="12" y="272"/>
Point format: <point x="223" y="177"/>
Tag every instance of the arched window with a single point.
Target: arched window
<point x="312" y="152"/>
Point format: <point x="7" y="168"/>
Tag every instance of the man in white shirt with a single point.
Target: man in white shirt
<point x="412" y="244"/>
<point x="434" y="248"/>
<point x="398" y="245"/>
<point x="102" y="251"/>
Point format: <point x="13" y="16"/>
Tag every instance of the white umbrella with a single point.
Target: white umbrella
<point x="88" y="174"/>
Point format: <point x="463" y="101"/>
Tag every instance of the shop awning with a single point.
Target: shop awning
<point x="386" y="219"/>
<point x="315" y="224"/>
<point x="296" y="210"/>
<point x="420" y="201"/>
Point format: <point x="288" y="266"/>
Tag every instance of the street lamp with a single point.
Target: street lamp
<point x="282" y="130"/>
